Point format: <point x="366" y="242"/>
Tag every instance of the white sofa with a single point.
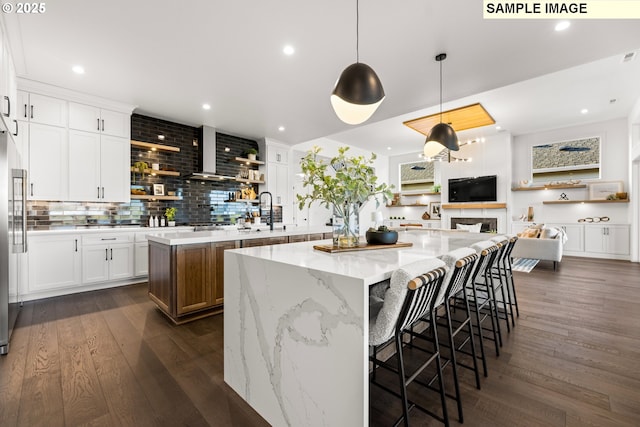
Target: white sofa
<point x="546" y="249"/>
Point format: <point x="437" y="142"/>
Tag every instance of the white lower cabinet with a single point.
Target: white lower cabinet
<point x="54" y="262"/>
<point x="607" y="239"/>
<point x="575" y="236"/>
<point x="107" y="257"/>
<point x="142" y="259"/>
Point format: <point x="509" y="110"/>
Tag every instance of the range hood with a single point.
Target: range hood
<point x="207" y="156"/>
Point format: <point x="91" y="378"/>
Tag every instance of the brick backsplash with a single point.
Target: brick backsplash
<point x="202" y="201"/>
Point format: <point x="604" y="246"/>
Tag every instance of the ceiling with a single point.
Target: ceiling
<point x="169" y="58"/>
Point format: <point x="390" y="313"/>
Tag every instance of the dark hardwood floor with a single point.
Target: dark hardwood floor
<point x="110" y="358"/>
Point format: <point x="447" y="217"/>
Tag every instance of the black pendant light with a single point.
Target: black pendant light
<point x="358" y="92"/>
<point x="442" y="135"/>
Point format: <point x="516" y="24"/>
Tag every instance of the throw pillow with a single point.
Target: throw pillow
<point x="530" y="233"/>
<point x="473" y="228"/>
<point x="549" y="233"/>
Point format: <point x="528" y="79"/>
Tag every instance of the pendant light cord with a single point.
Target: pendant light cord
<point x="357" y="31"/>
<point x="440" y="91"/>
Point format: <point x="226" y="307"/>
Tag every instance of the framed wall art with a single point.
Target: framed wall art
<point x="158" y="189"/>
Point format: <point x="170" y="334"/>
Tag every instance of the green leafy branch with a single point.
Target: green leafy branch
<point x="353" y="182"/>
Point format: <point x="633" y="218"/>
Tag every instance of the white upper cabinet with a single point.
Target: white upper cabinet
<point x="93" y="119"/>
<point x="46" y="110"/>
<point x="98" y="167"/>
<point x="277" y="154"/>
<point x="115" y="172"/>
<point x="48" y="161"/>
<point x="77" y="151"/>
<point x="84" y="166"/>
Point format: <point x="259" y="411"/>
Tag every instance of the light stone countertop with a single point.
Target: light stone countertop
<point x="231" y="233"/>
<point x="372" y="266"/>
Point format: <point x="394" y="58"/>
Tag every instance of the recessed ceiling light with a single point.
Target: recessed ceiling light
<point x="288" y="50"/>
<point x="78" y="69"/>
<point x="388" y="148"/>
<point x="562" y="25"/>
<point x="498" y="127"/>
<point x="281" y="128"/>
<point x="206" y="107"/>
<point x="584" y="111"/>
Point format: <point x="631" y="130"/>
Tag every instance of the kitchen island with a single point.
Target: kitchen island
<point x="186" y="269"/>
<point x="296" y="325"/>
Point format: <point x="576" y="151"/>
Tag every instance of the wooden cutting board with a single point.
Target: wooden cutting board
<point x="361" y="247"/>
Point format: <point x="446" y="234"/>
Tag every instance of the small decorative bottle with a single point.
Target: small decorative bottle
<point x="162" y="222"/>
<point x="150" y="221"/>
<point x="155" y="221"/>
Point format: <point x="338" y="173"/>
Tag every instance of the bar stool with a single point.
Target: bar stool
<point x="481" y="297"/>
<point x="500" y="282"/>
<point x="507" y="273"/>
<point x="461" y="263"/>
<point x="412" y="295"/>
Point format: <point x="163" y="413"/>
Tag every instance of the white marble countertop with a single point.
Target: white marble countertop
<point x="231" y="233"/>
<point x="109" y="229"/>
<point x="372" y="266"/>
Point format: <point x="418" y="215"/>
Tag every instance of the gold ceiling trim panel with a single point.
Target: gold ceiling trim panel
<point x="463" y="118"/>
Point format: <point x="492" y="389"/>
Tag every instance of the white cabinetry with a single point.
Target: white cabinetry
<point x="575" y="237"/>
<point x="8" y="87"/>
<point x="141" y="255"/>
<point x="48" y="162"/>
<point x="93" y="119"/>
<point x="607" y="240"/>
<point x="277" y="176"/>
<point x="46" y="110"/>
<point x="76" y="151"/>
<point x="98" y="167"/>
<point x="107" y="257"/>
<point x="54" y="262"/>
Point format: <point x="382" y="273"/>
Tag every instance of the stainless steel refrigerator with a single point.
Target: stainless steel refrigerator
<point x="13" y="235"/>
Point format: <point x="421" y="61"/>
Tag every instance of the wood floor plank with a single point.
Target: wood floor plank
<point x="125" y="398"/>
<point x="41" y="402"/>
<point x="12" y="369"/>
<point x="81" y="392"/>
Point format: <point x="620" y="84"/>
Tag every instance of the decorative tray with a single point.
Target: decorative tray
<point x="364" y="246"/>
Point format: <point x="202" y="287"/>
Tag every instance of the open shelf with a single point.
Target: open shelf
<point x="247" y="161"/>
<point x="156" y="172"/>
<point x="564" y="202"/>
<point x="405" y="205"/>
<point x="418" y="194"/>
<point x="154" y="147"/>
<point x="474" y="206"/>
<point x="549" y="187"/>
<point x="151" y="197"/>
<point x="249" y="181"/>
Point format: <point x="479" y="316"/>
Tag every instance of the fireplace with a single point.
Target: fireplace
<point x="488" y="224"/>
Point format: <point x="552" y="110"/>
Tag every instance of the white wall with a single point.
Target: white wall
<point x="330" y="149"/>
<point x="614" y="167"/>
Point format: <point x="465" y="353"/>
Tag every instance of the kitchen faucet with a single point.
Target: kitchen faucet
<point x="270" y="208"/>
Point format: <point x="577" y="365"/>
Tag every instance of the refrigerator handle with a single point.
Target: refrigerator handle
<point x="15" y="122"/>
<point x="8" y="113"/>
<point x="24" y="210"/>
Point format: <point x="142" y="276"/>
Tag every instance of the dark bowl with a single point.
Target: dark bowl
<point x="382" y="237"/>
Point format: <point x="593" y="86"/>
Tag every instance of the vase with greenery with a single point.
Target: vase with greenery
<point x="170" y="213"/>
<point x="344" y="187"/>
<point x="251" y="153"/>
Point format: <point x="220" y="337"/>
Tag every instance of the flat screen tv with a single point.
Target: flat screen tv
<point x="476" y="189"/>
